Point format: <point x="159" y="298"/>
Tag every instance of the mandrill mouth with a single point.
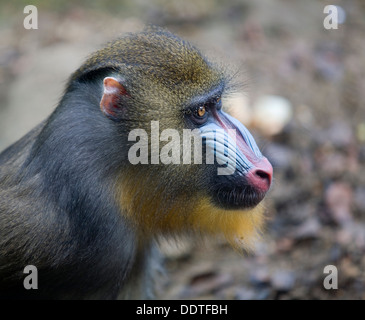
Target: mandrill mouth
<point x="241" y="192"/>
<point x="238" y="197"/>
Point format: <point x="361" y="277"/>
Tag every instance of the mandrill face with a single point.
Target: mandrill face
<point x="244" y="175"/>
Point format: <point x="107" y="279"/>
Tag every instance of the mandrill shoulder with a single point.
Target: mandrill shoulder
<point x="68" y="227"/>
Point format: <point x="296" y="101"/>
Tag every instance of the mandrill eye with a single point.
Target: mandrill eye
<point x="201" y="111"/>
<point x="198" y="114"/>
<point x="218" y="103"/>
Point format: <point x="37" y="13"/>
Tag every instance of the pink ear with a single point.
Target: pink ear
<point x="113" y="90"/>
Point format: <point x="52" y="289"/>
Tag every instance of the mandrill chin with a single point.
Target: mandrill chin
<point x="138" y="147"/>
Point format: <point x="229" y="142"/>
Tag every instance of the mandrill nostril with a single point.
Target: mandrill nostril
<point x="260" y="179"/>
<point x="263" y="175"/>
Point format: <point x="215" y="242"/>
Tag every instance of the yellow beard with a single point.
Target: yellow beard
<point x="151" y="214"/>
<point x="241" y="228"/>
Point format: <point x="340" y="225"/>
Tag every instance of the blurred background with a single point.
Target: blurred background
<point x="302" y="96"/>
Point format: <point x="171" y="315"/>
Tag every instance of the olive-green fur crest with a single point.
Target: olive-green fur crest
<point x="164" y="62"/>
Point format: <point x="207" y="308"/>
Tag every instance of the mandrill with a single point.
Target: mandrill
<point x="138" y="147"/>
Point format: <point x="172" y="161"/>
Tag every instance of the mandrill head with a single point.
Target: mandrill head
<point x="190" y="167"/>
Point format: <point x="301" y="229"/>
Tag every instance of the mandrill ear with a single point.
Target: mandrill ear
<point x="110" y="102"/>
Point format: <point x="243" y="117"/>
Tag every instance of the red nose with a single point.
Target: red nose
<point x="260" y="176"/>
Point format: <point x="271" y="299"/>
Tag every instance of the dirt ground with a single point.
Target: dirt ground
<point x="302" y="96"/>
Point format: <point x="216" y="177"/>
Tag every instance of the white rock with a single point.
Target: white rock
<point x="271" y="113"/>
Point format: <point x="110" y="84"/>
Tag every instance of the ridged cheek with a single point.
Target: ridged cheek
<point x="243" y="139"/>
